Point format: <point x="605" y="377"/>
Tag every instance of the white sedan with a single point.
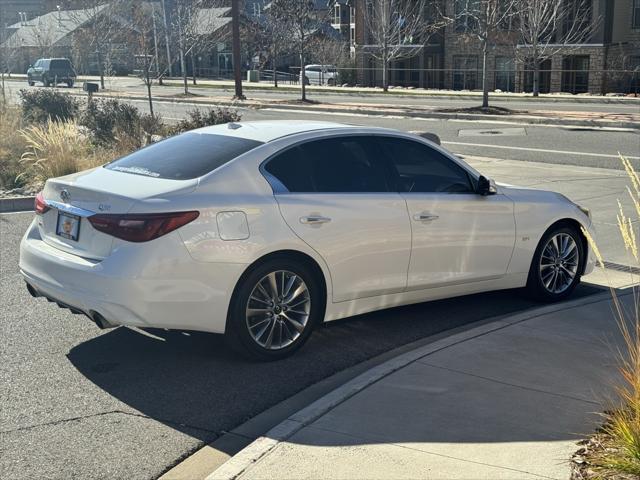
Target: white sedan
<point x="263" y="230"/>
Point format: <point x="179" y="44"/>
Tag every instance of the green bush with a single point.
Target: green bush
<point x="41" y="104"/>
<point x="106" y="118"/>
<point x="197" y="118"/>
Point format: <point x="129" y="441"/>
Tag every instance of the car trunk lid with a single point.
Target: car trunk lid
<point x="74" y="198"/>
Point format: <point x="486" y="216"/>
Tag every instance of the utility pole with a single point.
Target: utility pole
<point x="155" y="41"/>
<point x="237" y="68"/>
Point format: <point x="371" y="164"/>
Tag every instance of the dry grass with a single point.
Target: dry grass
<point x="58" y="148"/>
<point x="615" y="450"/>
<point x="11" y="147"/>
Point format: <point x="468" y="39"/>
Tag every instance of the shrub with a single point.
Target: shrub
<point x="41" y="104"/>
<point x="105" y="118"/>
<point x="56" y="149"/>
<point x="12" y="146"/>
<point x="111" y="122"/>
<point x="197" y="118"/>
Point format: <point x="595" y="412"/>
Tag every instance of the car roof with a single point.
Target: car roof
<point x="269" y="130"/>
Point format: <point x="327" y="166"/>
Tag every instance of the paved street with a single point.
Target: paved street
<point x="287" y="92"/>
<point x="130" y="404"/>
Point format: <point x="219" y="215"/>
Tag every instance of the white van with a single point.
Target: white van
<point x="320" y="75"/>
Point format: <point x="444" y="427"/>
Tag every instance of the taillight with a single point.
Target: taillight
<point x="40" y="206"/>
<point x="139" y="227"/>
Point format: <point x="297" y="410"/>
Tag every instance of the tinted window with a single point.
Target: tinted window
<point x="420" y="168"/>
<point x="333" y="165"/>
<point x="185" y="156"/>
<point x="61" y="64"/>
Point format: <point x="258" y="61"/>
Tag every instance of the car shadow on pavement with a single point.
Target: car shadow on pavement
<point x="191" y="382"/>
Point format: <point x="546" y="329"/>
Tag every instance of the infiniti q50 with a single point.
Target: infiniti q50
<point x="263" y="230"/>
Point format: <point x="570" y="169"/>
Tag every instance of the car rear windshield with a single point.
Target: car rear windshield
<point x="184" y="157"/>
<point x="60" y="64"/>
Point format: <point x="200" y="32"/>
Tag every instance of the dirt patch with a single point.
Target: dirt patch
<point x="482" y="110"/>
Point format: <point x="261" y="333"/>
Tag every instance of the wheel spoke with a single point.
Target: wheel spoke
<point x="296" y="324"/>
<point x="273" y="284"/>
<point x="257" y="311"/>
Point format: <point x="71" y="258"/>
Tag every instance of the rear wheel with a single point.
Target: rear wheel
<point x="274" y="309"/>
<point x="557" y="265"/>
<point x="70" y="83"/>
<point x="331" y="82"/>
<point x="46" y="82"/>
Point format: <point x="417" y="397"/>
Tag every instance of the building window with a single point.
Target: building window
<point x="466" y="15"/>
<point x="257" y="9"/>
<point x="465" y="72"/>
<point x="544" y="76"/>
<point x="505" y="74"/>
<point x="579" y="12"/>
<point x="636" y="14"/>
<point x="336" y="14"/>
<point x="575" y="74"/>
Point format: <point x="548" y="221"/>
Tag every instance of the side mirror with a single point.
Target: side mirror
<point x="486" y="186"/>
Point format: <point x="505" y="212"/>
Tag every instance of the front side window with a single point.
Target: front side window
<point x="422" y="169"/>
<point x="347" y="164"/>
<point x="184" y="157"/>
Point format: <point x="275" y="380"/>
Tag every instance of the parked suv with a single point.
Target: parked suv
<point x="51" y="71"/>
<point x="320" y="75"/>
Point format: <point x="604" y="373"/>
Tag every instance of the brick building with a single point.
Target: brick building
<point x="452" y="58"/>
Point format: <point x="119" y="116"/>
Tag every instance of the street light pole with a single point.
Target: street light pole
<point x="235" y="27"/>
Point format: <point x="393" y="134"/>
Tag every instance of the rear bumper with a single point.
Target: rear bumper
<point x="154" y="284"/>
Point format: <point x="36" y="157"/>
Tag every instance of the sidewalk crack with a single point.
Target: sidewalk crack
<point x="101" y="414"/>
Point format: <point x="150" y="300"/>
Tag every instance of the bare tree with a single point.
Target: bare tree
<point x="142" y="31"/>
<point x="328" y="50"/>
<point x="197" y="26"/>
<point x="546" y="27"/>
<point x="99" y="27"/>
<point x="274" y="35"/>
<point x="399" y="29"/>
<point x="301" y="19"/>
<point x="487" y="20"/>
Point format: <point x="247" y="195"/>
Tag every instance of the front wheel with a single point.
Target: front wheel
<point x="557" y="265"/>
<point x="274" y="309"/>
<point x="70" y="83"/>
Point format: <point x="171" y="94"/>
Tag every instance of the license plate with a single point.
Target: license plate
<point x="68" y="226"/>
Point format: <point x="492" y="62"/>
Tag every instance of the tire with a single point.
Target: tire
<point x="274" y="331"/>
<point x="554" y="274"/>
<point x="46" y="82"/>
<point x="331" y="82"/>
<point x="30" y="82"/>
<point x="70" y="83"/>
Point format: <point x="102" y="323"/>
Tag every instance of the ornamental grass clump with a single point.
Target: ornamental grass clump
<point x="55" y="149"/>
<point x="614" y="452"/>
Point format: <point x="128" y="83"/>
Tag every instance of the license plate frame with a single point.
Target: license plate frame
<point x="68" y="226"/>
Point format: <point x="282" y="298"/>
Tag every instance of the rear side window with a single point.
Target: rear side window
<point x="185" y="156"/>
<point x="60" y="64"/>
<point x="335" y="165"/>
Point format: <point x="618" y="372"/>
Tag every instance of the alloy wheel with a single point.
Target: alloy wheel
<point x="559" y="263"/>
<point x="278" y="310"/>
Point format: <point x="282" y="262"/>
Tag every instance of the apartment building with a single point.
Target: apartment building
<point x="608" y="61"/>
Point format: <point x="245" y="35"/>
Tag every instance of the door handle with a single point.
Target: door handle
<point x="314" y="220"/>
<point x="425" y="217"/>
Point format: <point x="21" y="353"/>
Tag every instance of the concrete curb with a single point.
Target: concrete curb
<point x="16" y="204"/>
<point x="530" y="119"/>
<point x="239" y="463"/>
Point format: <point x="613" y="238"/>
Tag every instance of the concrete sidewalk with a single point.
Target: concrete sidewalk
<point x="508" y="399"/>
